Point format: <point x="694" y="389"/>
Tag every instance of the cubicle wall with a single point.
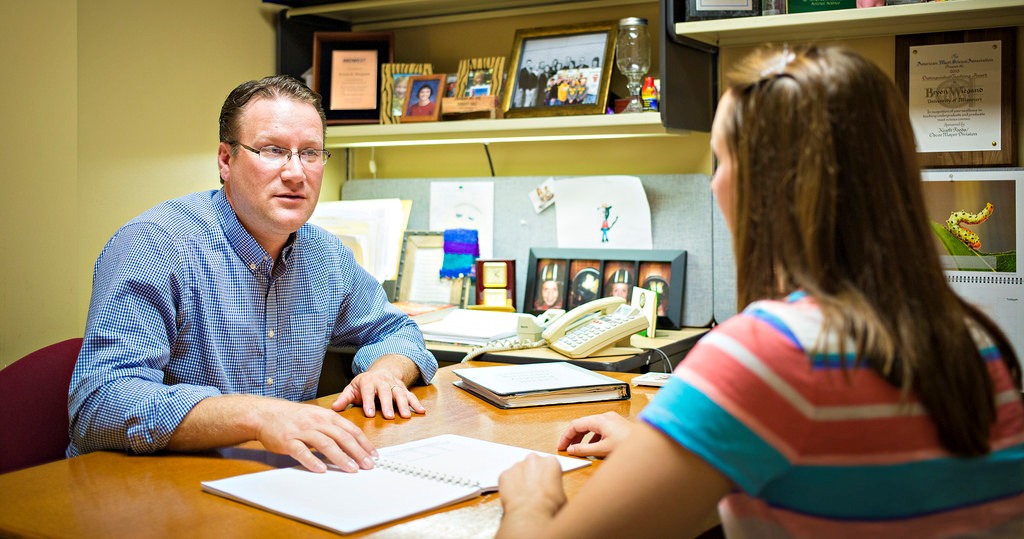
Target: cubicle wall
<point x="682" y="217"/>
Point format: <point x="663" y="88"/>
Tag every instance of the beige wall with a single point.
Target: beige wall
<point x="110" y="107"/>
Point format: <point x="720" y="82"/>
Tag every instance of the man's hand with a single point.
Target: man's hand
<point x="292" y="429"/>
<point x="282" y="426"/>
<point x="387" y="381"/>
<point x="609" y="430"/>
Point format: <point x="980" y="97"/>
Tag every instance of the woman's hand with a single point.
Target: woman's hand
<point x="531" y="494"/>
<point x="608" y="429"/>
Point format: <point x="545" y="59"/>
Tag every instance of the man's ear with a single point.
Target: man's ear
<point x="223" y="158"/>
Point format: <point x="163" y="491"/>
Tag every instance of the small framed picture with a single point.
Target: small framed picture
<point x="585" y="283"/>
<point x="551" y="284"/>
<point x="480" y="77"/>
<point x="394" y="84"/>
<point x="560" y="70"/>
<point x="655" y="276"/>
<point x="346" y="74"/>
<point x="619" y="278"/>
<point x="423" y="98"/>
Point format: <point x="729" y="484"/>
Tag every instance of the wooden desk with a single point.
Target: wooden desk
<point x="108" y="494"/>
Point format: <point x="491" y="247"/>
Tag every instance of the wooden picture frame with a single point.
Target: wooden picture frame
<point x="947" y="98"/>
<point x="419" y="279"/>
<point x="412" y="109"/>
<point x="479" y="77"/>
<point x="394" y="80"/>
<point x="588" y="273"/>
<point x="346" y="68"/>
<point x="552" y="71"/>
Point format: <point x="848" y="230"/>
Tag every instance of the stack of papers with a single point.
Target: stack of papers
<point x="464" y="326"/>
<point x="371" y="228"/>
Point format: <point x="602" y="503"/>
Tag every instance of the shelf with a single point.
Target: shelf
<point x="855" y="23"/>
<point x="608" y="126"/>
<point x="370" y="15"/>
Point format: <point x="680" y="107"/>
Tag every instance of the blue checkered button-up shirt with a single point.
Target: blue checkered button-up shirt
<point x="186" y="305"/>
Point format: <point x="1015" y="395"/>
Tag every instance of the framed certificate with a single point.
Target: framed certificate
<point x="346" y="74"/>
<point x="960" y="94"/>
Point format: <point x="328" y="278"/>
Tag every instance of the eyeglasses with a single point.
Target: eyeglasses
<point x="279" y="157"/>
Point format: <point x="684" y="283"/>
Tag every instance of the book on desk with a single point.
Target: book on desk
<point x="408" y="479"/>
<point x="539" y="384"/>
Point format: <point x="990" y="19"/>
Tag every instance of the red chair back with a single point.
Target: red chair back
<point x="34" y="406"/>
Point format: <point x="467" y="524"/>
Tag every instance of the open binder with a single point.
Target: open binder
<point x="408" y="479"/>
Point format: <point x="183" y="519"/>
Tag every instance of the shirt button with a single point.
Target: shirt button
<point x="252" y="267"/>
<point x="270" y="380"/>
<point x="270" y="334"/>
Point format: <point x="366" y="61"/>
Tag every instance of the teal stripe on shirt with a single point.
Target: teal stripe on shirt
<point x="722" y="441"/>
<point x="900" y="490"/>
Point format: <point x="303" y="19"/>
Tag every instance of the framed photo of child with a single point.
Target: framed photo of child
<point x="423" y="98"/>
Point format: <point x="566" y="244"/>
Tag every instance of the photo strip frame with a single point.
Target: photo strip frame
<point x="394" y="82"/>
<point x="346" y="68"/>
<point x="558" y="278"/>
<point x="560" y="70"/>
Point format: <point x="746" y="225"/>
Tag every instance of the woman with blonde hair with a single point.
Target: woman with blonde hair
<point x="855" y="394"/>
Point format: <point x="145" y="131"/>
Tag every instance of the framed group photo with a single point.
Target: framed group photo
<point x="560" y="70"/>
<point x="567" y="278"/>
<point x="423" y="98"/>
<point x="394" y="84"/>
<point x="346" y="74"/>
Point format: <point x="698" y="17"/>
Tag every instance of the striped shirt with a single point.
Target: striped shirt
<point x="187" y="305"/>
<point x="815" y="454"/>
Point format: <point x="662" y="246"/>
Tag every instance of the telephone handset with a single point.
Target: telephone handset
<point x="593" y="326"/>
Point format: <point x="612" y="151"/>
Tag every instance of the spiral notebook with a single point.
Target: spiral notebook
<point x="409" y="479"/>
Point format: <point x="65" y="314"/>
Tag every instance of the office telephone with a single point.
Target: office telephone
<point x="576" y="334"/>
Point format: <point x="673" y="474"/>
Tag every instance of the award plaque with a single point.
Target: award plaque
<point x="496" y="283"/>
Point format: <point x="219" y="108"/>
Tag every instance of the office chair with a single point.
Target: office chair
<point x="34" y="406"/>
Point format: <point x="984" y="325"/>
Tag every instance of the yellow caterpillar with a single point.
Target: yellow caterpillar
<point x="964" y="234"/>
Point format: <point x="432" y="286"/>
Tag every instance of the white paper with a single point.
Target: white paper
<point x="511" y="379"/>
<point x="374" y="226"/>
<point x="598" y="212"/>
<point x="464" y="205"/>
<point x="471" y="327"/>
<point x="427" y="286"/>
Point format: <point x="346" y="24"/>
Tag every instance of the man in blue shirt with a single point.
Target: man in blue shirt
<point x="211" y="313"/>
